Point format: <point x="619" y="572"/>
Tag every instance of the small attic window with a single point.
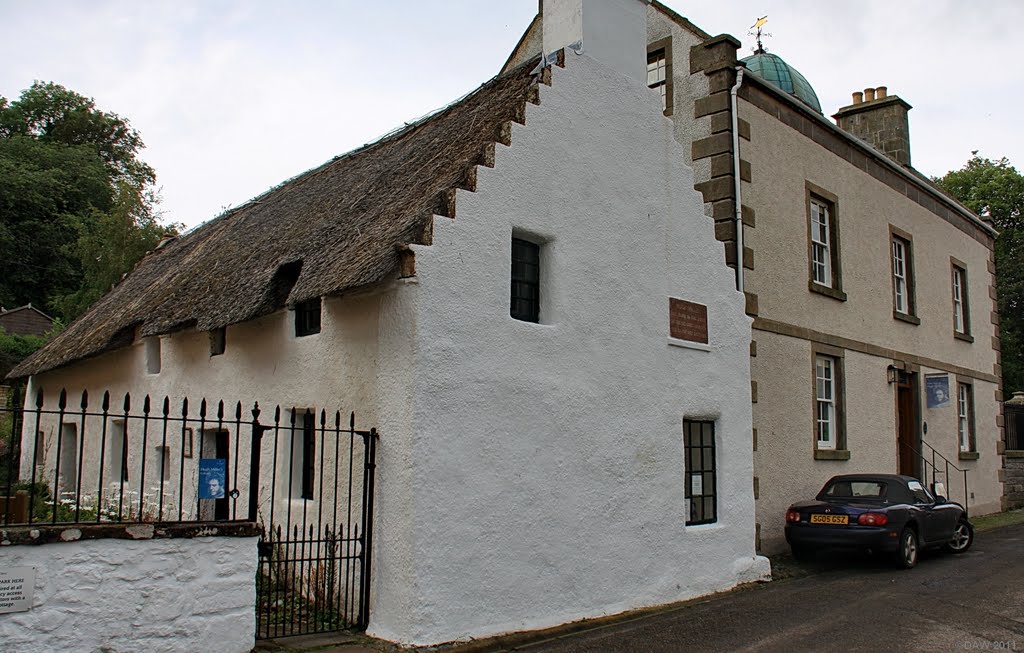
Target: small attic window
<point x="307" y="317"/>
<point x="217" y="341"/>
<point x="659" y="71"/>
<point x="152" y="346"/>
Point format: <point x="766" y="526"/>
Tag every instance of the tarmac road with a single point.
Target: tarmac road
<point x="971" y="602"/>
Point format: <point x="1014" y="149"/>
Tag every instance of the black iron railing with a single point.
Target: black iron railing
<point x="934" y="463"/>
<point x="1014" y="421"/>
<point x="85" y="462"/>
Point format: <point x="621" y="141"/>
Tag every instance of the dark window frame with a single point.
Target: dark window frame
<point x="898" y="235"/>
<point x="957" y="265"/>
<point x="838" y="358"/>
<point x="697" y="505"/>
<point x="814" y="193"/>
<point x="663" y="48"/>
<point x="525" y="276"/>
<point x="308" y="317"/>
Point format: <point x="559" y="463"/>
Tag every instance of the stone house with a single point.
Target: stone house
<point x="523" y="294"/>
<point x="867" y="285"/>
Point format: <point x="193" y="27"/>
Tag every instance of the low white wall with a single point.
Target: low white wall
<point x="117" y="595"/>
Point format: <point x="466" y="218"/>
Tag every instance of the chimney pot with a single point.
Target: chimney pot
<point x="881" y="92"/>
<point x="858" y="97"/>
<point x="869" y="94"/>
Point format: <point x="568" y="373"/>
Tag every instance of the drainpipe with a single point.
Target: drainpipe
<point x="736" y="176"/>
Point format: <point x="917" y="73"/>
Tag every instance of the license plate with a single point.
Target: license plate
<point x="830" y="519"/>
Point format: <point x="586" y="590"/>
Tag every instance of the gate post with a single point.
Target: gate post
<point x="254" y="462"/>
<point x="368" y="473"/>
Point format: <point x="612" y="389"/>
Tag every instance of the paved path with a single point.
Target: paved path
<point x="972" y="602"/>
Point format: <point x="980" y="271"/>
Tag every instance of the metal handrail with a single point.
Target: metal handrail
<point x="934" y="468"/>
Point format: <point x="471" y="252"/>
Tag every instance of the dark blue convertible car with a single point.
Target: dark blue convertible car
<point x="878" y="512"/>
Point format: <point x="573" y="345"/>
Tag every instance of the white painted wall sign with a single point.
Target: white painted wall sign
<point x="16" y="587"/>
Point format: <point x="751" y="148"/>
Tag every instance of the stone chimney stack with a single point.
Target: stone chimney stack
<point x="611" y="31"/>
<point x="881" y="120"/>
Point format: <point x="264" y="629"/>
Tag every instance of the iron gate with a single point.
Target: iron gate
<point x="317" y="510"/>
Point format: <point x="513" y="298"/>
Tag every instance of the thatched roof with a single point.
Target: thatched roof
<point x="330" y="230"/>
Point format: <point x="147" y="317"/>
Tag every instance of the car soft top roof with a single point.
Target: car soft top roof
<point x="872" y="477"/>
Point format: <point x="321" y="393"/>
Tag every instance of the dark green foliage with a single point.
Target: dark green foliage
<point x="76" y="203"/>
<point x="994" y="189"/>
<point x="15" y="348"/>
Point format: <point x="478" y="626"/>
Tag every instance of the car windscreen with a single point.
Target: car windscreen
<point x="861" y="490"/>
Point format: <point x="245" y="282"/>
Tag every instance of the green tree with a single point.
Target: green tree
<point x="76" y="201"/>
<point x="995" y="190"/>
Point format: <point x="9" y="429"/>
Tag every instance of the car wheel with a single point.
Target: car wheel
<point x="907" y="554"/>
<point x="963" y="537"/>
<point x="801" y="553"/>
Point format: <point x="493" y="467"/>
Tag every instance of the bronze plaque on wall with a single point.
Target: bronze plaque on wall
<point x="687" y="320"/>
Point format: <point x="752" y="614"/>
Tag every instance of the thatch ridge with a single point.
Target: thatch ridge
<point x="344" y="221"/>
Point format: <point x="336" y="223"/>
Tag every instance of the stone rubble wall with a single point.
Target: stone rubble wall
<point x="1013" y="488"/>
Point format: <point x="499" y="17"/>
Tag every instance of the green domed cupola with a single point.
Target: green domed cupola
<point x="774" y="70"/>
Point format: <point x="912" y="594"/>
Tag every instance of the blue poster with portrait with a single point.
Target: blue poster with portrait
<point x="212" y="477"/>
<point x="937" y="386"/>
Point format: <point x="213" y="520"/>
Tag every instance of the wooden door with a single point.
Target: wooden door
<point x="906" y="424"/>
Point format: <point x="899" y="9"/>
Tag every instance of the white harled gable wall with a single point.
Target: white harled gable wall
<point x="533" y="474"/>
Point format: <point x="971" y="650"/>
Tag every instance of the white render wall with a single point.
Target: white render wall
<point x="123" y="596"/>
<point x="263" y="361"/>
<point x="535" y="474"/>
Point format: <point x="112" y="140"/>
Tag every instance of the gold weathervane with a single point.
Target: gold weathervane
<point x="758" y="24"/>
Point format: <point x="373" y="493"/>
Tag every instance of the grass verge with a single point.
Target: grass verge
<point x="997" y="520"/>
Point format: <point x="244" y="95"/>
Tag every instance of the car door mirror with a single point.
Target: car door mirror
<point x="939" y="492"/>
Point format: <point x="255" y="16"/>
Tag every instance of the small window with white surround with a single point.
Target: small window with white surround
<point x="965" y="417"/>
<point x="903" y="291"/>
<point x="829" y="408"/>
<point x="821" y="244"/>
<point x="825" y="382"/>
<point x="825" y="269"/>
<point x="659" y="71"/>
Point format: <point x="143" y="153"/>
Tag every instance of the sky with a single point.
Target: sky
<point x="234" y="97"/>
